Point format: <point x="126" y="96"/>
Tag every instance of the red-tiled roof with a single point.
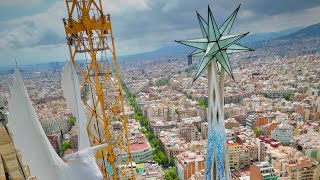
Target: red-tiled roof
<point x="138" y="143"/>
<point x="137" y="147"/>
<point x="68" y="151"/>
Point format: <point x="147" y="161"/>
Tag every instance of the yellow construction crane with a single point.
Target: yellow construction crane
<point x="89" y="37"/>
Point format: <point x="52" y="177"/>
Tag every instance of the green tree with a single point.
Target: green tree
<point x="66" y="145"/>
<point x="158" y="155"/>
<point x="163" y="81"/>
<point x="154" y="142"/>
<point x="256" y="132"/>
<point x="171" y="174"/>
<point x="288" y="96"/>
<point x="202" y="103"/>
<point x="72" y="121"/>
<point x="157" y="150"/>
<point x="150" y="136"/>
<point x="144" y="122"/>
<point x="163" y="159"/>
<point x="156" y="158"/>
<point x="143" y="130"/>
<point x="137" y="117"/>
<point x="171" y="162"/>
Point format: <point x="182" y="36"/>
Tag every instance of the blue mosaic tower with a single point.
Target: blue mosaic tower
<point x="214" y="47"/>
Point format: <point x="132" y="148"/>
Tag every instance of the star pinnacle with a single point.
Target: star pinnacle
<point x="216" y="43"/>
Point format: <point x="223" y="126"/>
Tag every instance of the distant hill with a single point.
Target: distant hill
<point x="250" y="38"/>
<point x="261" y="41"/>
<point x="174" y="50"/>
<point x="308" y="32"/>
<point x="304" y="41"/>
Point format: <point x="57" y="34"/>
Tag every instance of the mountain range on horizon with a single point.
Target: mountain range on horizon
<point x="259" y="40"/>
<point x="256" y="40"/>
<point x="308" y="32"/>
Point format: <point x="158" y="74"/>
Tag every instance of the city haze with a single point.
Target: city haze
<point x="33" y="32"/>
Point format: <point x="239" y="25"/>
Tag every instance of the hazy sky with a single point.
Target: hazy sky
<point x="32" y="31"/>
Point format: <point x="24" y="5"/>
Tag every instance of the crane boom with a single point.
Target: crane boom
<point x="89" y="37"/>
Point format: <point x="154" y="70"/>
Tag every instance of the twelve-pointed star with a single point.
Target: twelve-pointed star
<point x="216" y="43"/>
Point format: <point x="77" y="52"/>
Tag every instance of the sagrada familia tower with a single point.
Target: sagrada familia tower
<point x="214" y="46"/>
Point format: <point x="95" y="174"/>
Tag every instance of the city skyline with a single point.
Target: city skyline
<point x="33" y="33"/>
<point x="174" y="90"/>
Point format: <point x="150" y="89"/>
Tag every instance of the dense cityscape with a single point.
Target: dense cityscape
<point x="167" y="114"/>
<point x="272" y="115"/>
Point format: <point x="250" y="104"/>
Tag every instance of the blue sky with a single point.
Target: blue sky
<point x="33" y="32"/>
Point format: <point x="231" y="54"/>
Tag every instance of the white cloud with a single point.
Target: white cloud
<point x="171" y="5"/>
<point x="30" y="30"/>
<point x="24" y="37"/>
<point x="139" y="26"/>
<point x="18" y="3"/>
<point x="245" y="14"/>
<point x="125" y="6"/>
<point x="282" y="21"/>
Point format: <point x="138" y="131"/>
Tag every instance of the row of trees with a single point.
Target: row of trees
<point x="163" y="81"/>
<point x="158" y="155"/>
<point x="202" y="103"/>
<point x="171" y="174"/>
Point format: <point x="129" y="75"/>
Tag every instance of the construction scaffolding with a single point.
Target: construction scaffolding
<point x="90" y="38"/>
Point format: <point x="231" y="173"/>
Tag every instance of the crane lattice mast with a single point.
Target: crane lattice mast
<point x="89" y="37"/>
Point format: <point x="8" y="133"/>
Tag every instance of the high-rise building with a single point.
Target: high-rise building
<point x="188" y="163"/>
<point x="234" y="155"/>
<point x="186" y="113"/>
<point x="204" y="130"/>
<point x="282" y="133"/>
<point x="55" y="140"/>
<point x="254" y="121"/>
<point x="303" y="168"/>
<point x="74" y="138"/>
<point x="244" y="157"/>
<point x="189" y="60"/>
<point x="55" y="124"/>
<point x="291" y="163"/>
<point x="261" y="149"/>
<point x="268" y="128"/>
<point x="250" y="121"/>
<point x="140" y="149"/>
<point x="262" y="171"/>
<point x="231" y="123"/>
<point x="203" y="113"/>
<point x="173" y="143"/>
<point x="190" y="132"/>
<point x="241" y="118"/>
